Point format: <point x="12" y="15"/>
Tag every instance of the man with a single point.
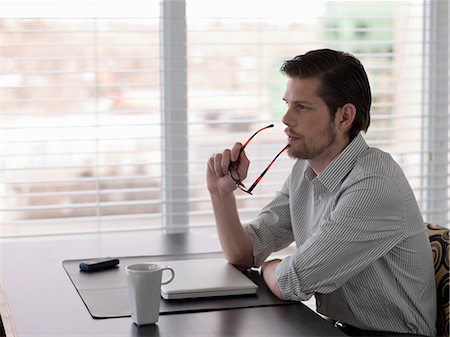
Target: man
<point x="362" y="248"/>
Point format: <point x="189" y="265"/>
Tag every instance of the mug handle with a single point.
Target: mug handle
<point x="170" y="279"/>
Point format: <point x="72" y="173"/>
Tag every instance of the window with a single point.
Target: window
<point x="110" y="110"/>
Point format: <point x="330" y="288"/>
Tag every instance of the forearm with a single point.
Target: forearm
<point x="235" y="242"/>
<point x="268" y="270"/>
<point x="234" y="239"/>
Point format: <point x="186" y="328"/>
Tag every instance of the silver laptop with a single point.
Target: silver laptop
<point x="205" y="278"/>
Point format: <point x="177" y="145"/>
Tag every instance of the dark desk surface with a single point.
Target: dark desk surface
<point x="42" y="301"/>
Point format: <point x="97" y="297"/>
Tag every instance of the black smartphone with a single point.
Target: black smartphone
<point x="99" y="264"/>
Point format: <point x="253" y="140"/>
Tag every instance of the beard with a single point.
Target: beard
<point x="309" y="148"/>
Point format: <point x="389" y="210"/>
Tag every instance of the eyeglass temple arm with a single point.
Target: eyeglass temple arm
<point x="250" y="189"/>
<point x="235" y="163"/>
<point x="248" y="140"/>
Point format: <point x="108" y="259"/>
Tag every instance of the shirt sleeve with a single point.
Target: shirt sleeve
<point x="271" y="231"/>
<point x="367" y="221"/>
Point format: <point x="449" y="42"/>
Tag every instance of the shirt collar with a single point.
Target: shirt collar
<point x="340" y="166"/>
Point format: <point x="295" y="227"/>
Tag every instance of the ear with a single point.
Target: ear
<point x="345" y="116"/>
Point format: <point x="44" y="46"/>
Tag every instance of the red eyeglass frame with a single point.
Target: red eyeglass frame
<point x="234" y="165"/>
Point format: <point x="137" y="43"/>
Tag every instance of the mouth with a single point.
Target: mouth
<point x="292" y="137"/>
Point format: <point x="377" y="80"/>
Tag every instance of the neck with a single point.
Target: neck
<point x="319" y="163"/>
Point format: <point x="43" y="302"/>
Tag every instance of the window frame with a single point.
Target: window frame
<point x="435" y="113"/>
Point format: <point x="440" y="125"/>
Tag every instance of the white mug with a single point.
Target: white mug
<point x="144" y="290"/>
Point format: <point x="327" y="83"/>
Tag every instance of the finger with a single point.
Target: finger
<point x="244" y="164"/>
<point x="225" y="162"/>
<point x="236" y="152"/>
<point x="218" y="165"/>
<point x="210" y="164"/>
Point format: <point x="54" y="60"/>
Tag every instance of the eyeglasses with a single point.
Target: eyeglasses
<point x="235" y="164"/>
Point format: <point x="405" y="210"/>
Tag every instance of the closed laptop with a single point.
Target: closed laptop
<point x="205" y="278"/>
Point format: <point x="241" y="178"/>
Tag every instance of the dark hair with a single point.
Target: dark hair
<point x="342" y="80"/>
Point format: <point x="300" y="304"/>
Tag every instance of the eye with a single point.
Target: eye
<point x="301" y="107"/>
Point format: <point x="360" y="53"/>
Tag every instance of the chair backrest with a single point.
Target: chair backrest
<point x="439" y="239"/>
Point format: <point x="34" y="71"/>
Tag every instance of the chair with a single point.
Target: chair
<point x="2" y="329"/>
<point x="439" y="239"/>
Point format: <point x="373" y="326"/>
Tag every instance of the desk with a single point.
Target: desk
<point x="42" y="301"/>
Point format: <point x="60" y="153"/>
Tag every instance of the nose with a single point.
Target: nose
<point x="287" y="118"/>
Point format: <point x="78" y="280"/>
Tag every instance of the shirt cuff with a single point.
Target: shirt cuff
<point x="290" y="291"/>
<point x="260" y="249"/>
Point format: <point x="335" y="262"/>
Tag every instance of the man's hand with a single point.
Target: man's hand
<point x="220" y="168"/>
<point x="268" y="271"/>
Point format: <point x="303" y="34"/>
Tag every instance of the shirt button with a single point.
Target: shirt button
<point x="319" y="197"/>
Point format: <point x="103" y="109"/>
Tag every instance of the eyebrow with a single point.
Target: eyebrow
<point x="298" y="102"/>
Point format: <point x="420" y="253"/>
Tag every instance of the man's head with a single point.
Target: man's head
<point x="342" y="80"/>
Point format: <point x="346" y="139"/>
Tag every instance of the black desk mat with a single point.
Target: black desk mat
<point x="105" y="293"/>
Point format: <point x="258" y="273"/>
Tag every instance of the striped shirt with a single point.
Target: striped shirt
<point x="362" y="248"/>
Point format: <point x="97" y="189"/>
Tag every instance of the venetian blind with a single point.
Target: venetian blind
<point x="110" y="110"/>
